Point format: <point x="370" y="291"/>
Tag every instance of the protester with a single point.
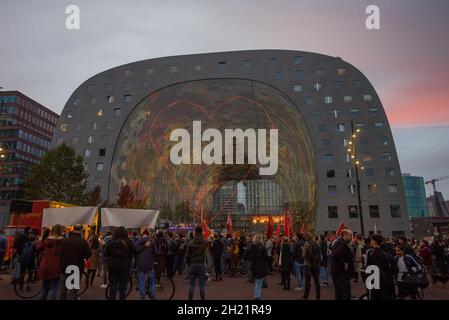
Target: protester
<point x="171" y="253"/>
<point x="50" y="264"/>
<point x="162" y="248"/>
<point x="103" y="265"/>
<point x="312" y="262"/>
<point x="359" y="244"/>
<point x="27" y="260"/>
<point x="94" y="259"/>
<point x="257" y="255"/>
<point x="75" y="249"/>
<point x="285" y="262"/>
<point x="298" y="261"/>
<point x="118" y="254"/>
<point x="146" y="253"/>
<point x="342" y="266"/>
<point x="406" y="264"/>
<point x="180" y="252"/>
<point x="270" y="248"/>
<point x="196" y="260"/>
<point x="324" y="274"/>
<point x="233" y="256"/>
<point x="217" y="252"/>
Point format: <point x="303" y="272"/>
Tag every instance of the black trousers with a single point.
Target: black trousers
<point x="342" y="286"/>
<point x="169" y="265"/>
<point x="309" y="273"/>
<point x="270" y="263"/>
<point x="217" y="265"/>
<point x="285" y="278"/>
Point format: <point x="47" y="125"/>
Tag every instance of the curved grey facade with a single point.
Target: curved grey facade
<point x="329" y="92"/>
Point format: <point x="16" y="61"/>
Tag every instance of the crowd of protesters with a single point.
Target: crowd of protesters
<point x="300" y="258"/>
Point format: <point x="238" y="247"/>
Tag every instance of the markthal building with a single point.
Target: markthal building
<point x="249" y="134"/>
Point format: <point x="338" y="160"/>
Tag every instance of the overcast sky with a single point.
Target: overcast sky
<point x="407" y="60"/>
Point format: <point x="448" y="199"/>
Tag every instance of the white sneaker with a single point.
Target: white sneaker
<point x="298" y="289"/>
<point x="104" y="286"/>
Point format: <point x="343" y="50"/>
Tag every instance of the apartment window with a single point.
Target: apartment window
<point x="99" y="112"/>
<point x="127" y="73"/>
<point x="359" y="125"/>
<point x="110" y="125"/>
<point x="299" y="74"/>
<point x="87" y="153"/>
<point x="353" y="211"/>
<point x="322" y="127"/>
<point x="298" y="60"/>
<point x="379" y="125"/>
<point x="90" y="88"/>
<point x="64" y="127"/>
<point x="127" y="98"/>
<point x="126" y="85"/>
<point x="76" y="102"/>
<point x="108" y="87"/>
<point x="117" y="111"/>
<point x="389" y="172"/>
<point x="335" y="113"/>
<point x="372" y="188"/>
<point x="373" y="111"/>
<point x="347" y="98"/>
<point x="75" y="140"/>
<point x="247" y="63"/>
<point x="332" y="190"/>
<point x="329" y="158"/>
<point x="374" y="211"/>
<point x="369" y="172"/>
<point x="340" y="127"/>
<point x="79" y="127"/>
<point x="278" y="75"/>
<point x="320" y="72"/>
<point x="350" y="173"/>
<point x="395" y="211"/>
<point x="102" y="152"/>
<point x="90" y="139"/>
<point x="367" y="158"/>
<point x="358" y="84"/>
<point x="100" y="166"/>
<point x="330" y="173"/>
<point x="317" y="86"/>
<point x="344" y="142"/>
<point x="145" y="84"/>
<point x="197" y="67"/>
<point x="352" y="189"/>
<point x="386" y="156"/>
<point x="392" y="188"/>
<point x="332" y="212"/>
<point x="316" y="114"/>
<point x="383" y="141"/>
<point x="341" y="71"/>
<point x="354" y="112"/>
<point x="338" y="85"/>
<point x="367" y="98"/>
<point x="297" y="88"/>
<point x="174" y="69"/>
<point x="110" y="99"/>
<point x="274" y="61"/>
<point x="326" y="142"/>
<point x="94" y="125"/>
<point x="150" y="70"/>
<point x="308" y="100"/>
<point x="93" y="100"/>
<point x="328" y="99"/>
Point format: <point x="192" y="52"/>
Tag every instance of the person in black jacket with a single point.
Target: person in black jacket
<point x="217" y="252"/>
<point x="342" y="265"/>
<point x="196" y="260"/>
<point x="378" y="257"/>
<point x="298" y="261"/>
<point x="285" y="262"/>
<point x="324" y="274"/>
<point x="118" y="254"/>
<point x="257" y="255"/>
<point x="75" y="249"/>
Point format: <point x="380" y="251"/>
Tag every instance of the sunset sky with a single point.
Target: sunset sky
<point x="407" y="60"/>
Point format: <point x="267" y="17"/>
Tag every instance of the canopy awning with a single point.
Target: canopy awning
<point x="68" y="216"/>
<point x="128" y="218"/>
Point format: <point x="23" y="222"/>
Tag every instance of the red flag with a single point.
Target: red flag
<point x="303" y="228"/>
<point x="290" y="225"/>
<point x="340" y="229"/>
<point x="270" y="229"/>
<point x="278" y="232"/>
<point x="206" y="231"/>
<point x="285" y="222"/>
<point x="229" y="224"/>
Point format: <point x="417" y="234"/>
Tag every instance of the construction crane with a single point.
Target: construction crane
<point x="433" y="182"/>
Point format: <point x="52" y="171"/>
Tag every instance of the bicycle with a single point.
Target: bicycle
<point x="165" y="287"/>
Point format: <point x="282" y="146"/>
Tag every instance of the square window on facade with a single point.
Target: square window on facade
<point x="332" y="190"/>
<point x="79" y="127"/>
<point x="110" y="99"/>
<point x="328" y="100"/>
<point x="358" y="84"/>
<point x="386" y="156"/>
<point x="274" y="61"/>
<point x="102" y="152"/>
<point x="87" y="153"/>
<point x="110" y="125"/>
<point x="93" y="100"/>
<point x="359" y="125"/>
<point x="354" y="112"/>
<point x="297" y="88"/>
<point x="100" y="166"/>
<point x="338" y="85"/>
<point x="340" y="127"/>
<point x="367" y="158"/>
<point x="108" y="87"/>
<point x="76" y="102"/>
<point x="352" y="189"/>
<point x="150" y="70"/>
<point x="90" y="139"/>
<point x="353" y="211"/>
<point x="373" y="111"/>
<point x="335" y="113"/>
<point x="99" y="112"/>
<point x="372" y="188"/>
<point x="322" y="127"/>
<point x="278" y="75"/>
<point x="367" y="98"/>
<point x="374" y="211"/>
<point x="392" y="188"/>
<point x="330" y="173"/>
<point x="247" y="63"/>
<point x="326" y="142"/>
<point x="369" y="172"/>
<point x="308" y="100"/>
<point x="383" y="141"/>
<point x="127" y="98"/>
<point x="317" y="86"/>
<point x="379" y="125"/>
<point x="316" y="114"/>
<point x="350" y="173"/>
<point x="117" y="111"/>
<point x="298" y="60"/>
<point x="389" y="172"/>
<point x="174" y="69"/>
<point x="341" y="71"/>
<point x="94" y="125"/>
<point x="332" y="212"/>
<point x="75" y="140"/>
<point x="145" y="84"/>
<point x="127" y="73"/>
<point x="299" y="74"/>
<point x="395" y="211"/>
<point x="320" y="72"/>
<point x="347" y="98"/>
<point x="329" y="158"/>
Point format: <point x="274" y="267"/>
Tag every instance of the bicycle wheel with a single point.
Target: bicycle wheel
<point x="84" y="284"/>
<point x="128" y="289"/>
<point x="31" y="286"/>
<point x="165" y="288"/>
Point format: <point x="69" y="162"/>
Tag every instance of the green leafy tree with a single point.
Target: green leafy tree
<point x="60" y="176"/>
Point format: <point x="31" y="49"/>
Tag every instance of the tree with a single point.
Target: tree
<point x="60" y="176"/>
<point x="95" y="197"/>
<point x="125" y="197"/>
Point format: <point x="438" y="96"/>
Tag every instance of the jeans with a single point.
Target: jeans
<point x="197" y="271"/>
<point x="118" y="280"/>
<point x="49" y="286"/>
<point x="312" y="272"/>
<point x="324" y="275"/>
<point x="145" y="277"/>
<point x="299" y="272"/>
<point x="258" y="282"/>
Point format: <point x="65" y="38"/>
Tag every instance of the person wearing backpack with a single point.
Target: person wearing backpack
<point x="298" y="261"/>
<point x="312" y="262"/>
<point x="27" y="260"/>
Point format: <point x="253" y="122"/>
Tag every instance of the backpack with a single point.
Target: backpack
<point x="172" y="247"/>
<point x="27" y="255"/>
<point x="314" y="254"/>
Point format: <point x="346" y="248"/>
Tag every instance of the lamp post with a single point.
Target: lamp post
<point x="352" y="150"/>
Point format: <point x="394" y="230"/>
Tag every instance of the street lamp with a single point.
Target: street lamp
<point x="357" y="163"/>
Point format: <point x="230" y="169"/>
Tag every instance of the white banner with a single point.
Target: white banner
<point x="68" y="216"/>
<point x="128" y="218"/>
